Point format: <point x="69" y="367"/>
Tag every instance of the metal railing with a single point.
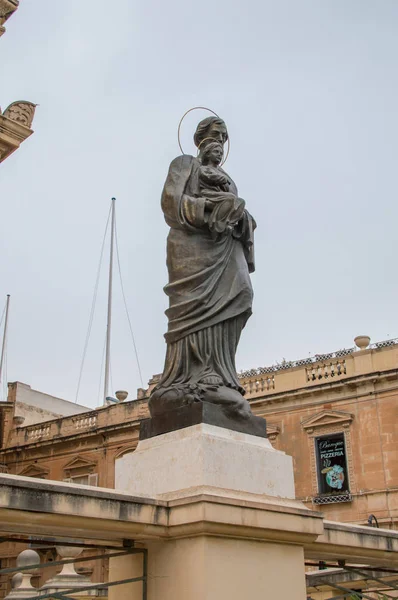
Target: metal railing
<point x="377" y="581"/>
<point x="127" y="549"/>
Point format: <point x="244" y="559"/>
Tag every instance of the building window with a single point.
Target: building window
<point x="88" y="479"/>
<point x="329" y="439"/>
<point x="332" y="464"/>
<point x="82" y="471"/>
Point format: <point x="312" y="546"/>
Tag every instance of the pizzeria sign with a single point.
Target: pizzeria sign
<point x="332" y="464"/>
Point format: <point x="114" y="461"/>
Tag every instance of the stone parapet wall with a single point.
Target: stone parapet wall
<point x="80" y="424"/>
<point x="320" y="369"/>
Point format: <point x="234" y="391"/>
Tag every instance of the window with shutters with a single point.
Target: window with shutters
<point x="82" y="471"/>
<point x="89" y="479"/>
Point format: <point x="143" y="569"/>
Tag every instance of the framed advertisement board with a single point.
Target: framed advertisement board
<point x="332" y="464"/>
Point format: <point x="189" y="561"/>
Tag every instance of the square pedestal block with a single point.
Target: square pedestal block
<point x="213" y="568"/>
<point x="205" y="456"/>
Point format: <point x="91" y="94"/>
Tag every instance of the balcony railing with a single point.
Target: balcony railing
<point x="85" y="421"/>
<point x="326" y="370"/>
<point x="332" y="498"/>
<point x="121" y="413"/>
<point x="38" y="431"/>
<point x="263" y="384"/>
<point x="291" y="364"/>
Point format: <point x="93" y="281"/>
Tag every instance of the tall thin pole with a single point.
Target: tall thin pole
<point x="109" y="323"/>
<point x="3" y="347"/>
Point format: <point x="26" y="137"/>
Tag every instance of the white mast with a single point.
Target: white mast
<point x="3" y="348"/>
<point x="108" y="328"/>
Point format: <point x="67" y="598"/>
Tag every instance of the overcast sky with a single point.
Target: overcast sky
<point x="308" y="90"/>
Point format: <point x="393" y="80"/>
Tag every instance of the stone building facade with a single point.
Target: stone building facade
<point x="348" y="397"/>
<point x="7" y="8"/>
<point x="16" y="120"/>
<point x="15" y="126"/>
<point x="335" y="414"/>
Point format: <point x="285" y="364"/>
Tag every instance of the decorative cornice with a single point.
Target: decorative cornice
<point x="34" y="470"/>
<point x="80" y="462"/>
<point x="21" y="111"/>
<point x="272" y="431"/>
<point x="15" y="125"/>
<point x="326" y="418"/>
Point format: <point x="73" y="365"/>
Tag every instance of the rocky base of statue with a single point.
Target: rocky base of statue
<point x="231" y="400"/>
<point x="195" y="413"/>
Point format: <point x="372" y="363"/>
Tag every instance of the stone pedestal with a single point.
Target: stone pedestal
<point x="205" y="457"/>
<point x="234" y="529"/>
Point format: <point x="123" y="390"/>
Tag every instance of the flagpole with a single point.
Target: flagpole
<point x="109" y="322"/>
<point x="3" y="347"/>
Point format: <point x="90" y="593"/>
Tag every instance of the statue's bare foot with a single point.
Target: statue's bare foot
<point x="209" y="389"/>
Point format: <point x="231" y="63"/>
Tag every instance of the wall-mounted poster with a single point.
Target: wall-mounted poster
<point x="332" y="464"/>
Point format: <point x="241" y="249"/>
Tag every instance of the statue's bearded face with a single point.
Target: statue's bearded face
<point x="218" y="132"/>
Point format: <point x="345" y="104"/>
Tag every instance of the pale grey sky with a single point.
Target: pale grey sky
<point x="308" y="90"/>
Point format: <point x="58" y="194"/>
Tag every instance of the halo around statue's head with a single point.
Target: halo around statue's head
<point x="216" y="115"/>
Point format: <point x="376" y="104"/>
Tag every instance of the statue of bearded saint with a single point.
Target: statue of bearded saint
<point x="210" y="255"/>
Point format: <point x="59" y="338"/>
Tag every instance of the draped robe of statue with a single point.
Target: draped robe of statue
<point x="210" y="292"/>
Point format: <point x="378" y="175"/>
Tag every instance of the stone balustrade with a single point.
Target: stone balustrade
<point x="326" y="370"/>
<point x="37" y="432"/>
<point x="98" y="420"/>
<point x="86" y="421"/>
<point x="319" y="369"/>
<point x="294" y="375"/>
<point x="260" y="384"/>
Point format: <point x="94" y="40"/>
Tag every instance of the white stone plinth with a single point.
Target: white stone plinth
<point x="205" y="456"/>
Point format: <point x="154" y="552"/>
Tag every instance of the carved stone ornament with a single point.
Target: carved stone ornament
<point x="21" y="112"/>
<point x="34" y="470"/>
<point x="78" y="465"/>
<point x="327" y="418"/>
<point x="7" y="7"/>
<point x="272" y="432"/>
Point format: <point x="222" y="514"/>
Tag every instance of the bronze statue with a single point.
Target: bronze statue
<point x="209" y="257"/>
